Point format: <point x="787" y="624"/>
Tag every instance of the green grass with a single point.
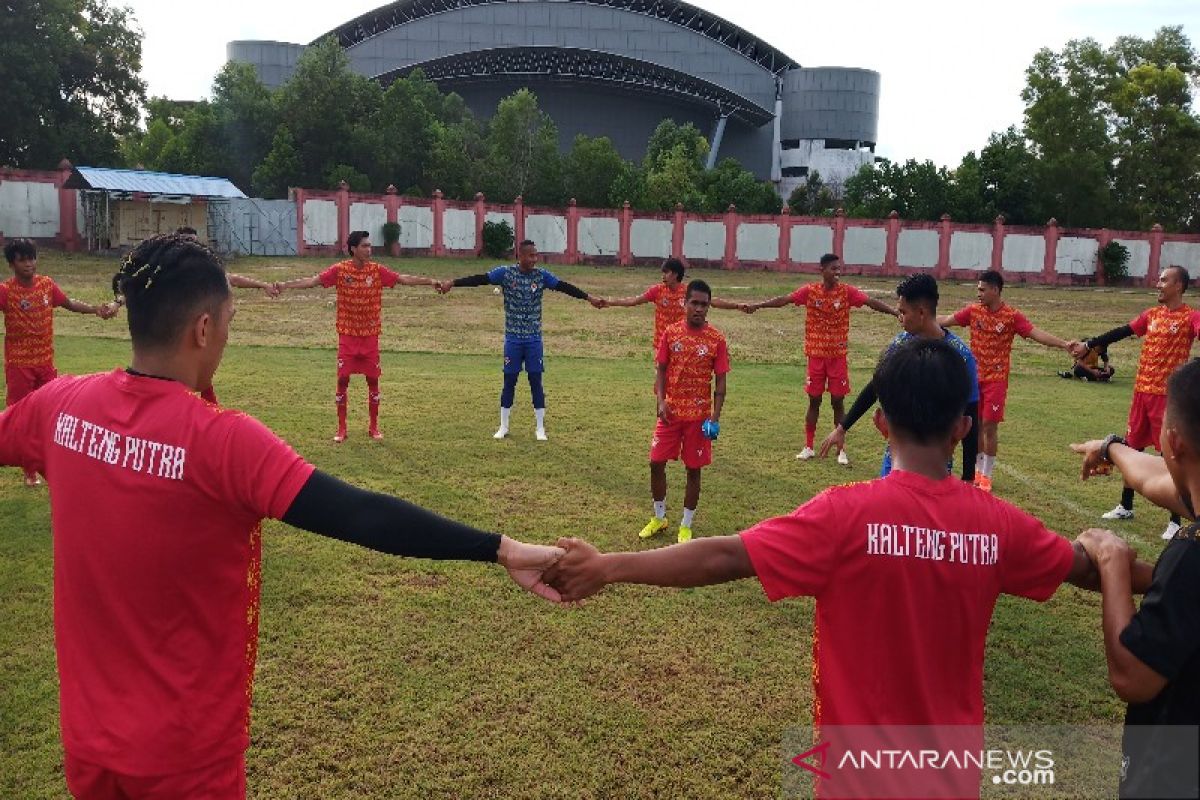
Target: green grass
<point x="380" y="677"/>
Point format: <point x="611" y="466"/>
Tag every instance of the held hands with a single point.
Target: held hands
<point x="273" y="290"/>
<point x="597" y="302"/>
<point x="527" y="565"/>
<point x="444" y="287"/>
<point x="836" y="437"/>
<point x="1104" y="546"/>
<point x="1093" y="464"/>
<point x="580" y="573"/>
<point x="107" y="311"/>
<point x="747" y="308"/>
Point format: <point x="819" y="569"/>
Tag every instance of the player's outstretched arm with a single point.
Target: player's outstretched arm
<point x="417" y="280"/>
<point x="946" y="321"/>
<point x="330" y="507"/>
<point x="300" y="283"/>
<point x="1050" y="340"/>
<point x="861" y="405"/>
<point x="571" y="290"/>
<point x="481" y="279"/>
<point x="774" y="302"/>
<point x="727" y="305"/>
<point x="104" y="311"/>
<point x="625" y="302"/>
<point x="1145" y="474"/>
<point x="584" y="570"/>
<point x="881" y="307"/>
<point x="242" y="282"/>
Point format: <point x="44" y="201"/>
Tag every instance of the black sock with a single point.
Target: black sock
<point x="1127" y="498"/>
<point x="1175" y="518"/>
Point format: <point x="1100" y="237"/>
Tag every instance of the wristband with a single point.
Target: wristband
<point x="1111" y="439"/>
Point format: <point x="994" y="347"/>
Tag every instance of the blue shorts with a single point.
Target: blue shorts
<point x="523" y="355"/>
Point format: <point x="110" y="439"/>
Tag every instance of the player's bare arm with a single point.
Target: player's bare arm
<point x="726" y="305"/>
<point x="660" y="391"/>
<point x="947" y="321"/>
<point x="1050" y="340"/>
<point x="417" y="280"/>
<point x="881" y="307"/>
<point x="774" y="302"/>
<point x="718" y="397"/>
<point x="584" y="570"/>
<point x="625" y="302"/>
<point x="104" y="311"/>
<point x="1144" y="473"/>
<point x="301" y="283"/>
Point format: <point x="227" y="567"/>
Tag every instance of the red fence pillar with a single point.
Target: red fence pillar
<point x="439" y="223"/>
<point x="1156" y="243"/>
<point x="998" y="242"/>
<point x="839" y="232"/>
<point x="785" y="238"/>
<point x="572" y="232"/>
<point x="68" y="229"/>
<point x="480" y="218"/>
<point x="625" y="244"/>
<point x="519" y="219"/>
<point x="731" y="229"/>
<point x="343" y="215"/>
<point x="677" y="233"/>
<point x="1050" y="261"/>
<point x="891" y="266"/>
<point x="945" y="232"/>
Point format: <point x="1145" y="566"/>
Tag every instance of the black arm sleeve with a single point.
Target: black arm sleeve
<point x="862" y="404"/>
<point x="327" y="506"/>
<point x="1113" y="336"/>
<point x="472" y="280"/>
<point x="571" y="289"/>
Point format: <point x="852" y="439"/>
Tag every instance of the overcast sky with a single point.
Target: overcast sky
<point x="952" y="72"/>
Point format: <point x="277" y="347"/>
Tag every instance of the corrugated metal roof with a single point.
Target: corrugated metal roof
<point x="135" y="180"/>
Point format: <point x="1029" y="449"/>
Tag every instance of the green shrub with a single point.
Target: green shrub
<point x="1115" y="258"/>
<point x="391" y="232"/>
<point x="498" y="239"/>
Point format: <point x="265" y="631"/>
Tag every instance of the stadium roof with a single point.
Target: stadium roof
<point x="679" y="13"/>
<point x="136" y="180"/>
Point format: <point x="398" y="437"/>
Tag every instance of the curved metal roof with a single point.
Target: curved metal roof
<point x="676" y="12"/>
<point x="589" y="66"/>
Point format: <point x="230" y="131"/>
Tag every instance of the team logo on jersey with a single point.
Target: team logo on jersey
<point x="837" y="304"/>
<point x="25" y="304"/>
<point x="368" y="280"/>
<point x="676" y="347"/>
<point x="999" y="327"/>
<point x="1174" y="328"/>
<point x="702" y="350"/>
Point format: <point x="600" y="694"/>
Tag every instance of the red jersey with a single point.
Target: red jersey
<point x="1169" y="336"/>
<point x="29" y="321"/>
<point x="669" y="307"/>
<point x="827" y="321"/>
<point x="992" y="337"/>
<point x="359" y="295"/>
<point x="906" y="571"/>
<point x="692" y="357"/>
<point x="156" y="500"/>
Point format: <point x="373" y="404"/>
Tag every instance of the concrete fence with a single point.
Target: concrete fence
<point x="35" y="204"/>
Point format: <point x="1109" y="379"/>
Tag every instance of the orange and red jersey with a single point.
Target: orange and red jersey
<point x="359" y="295"/>
<point x="29" y="321"/>
<point x="992" y="335"/>
<point x="692" y="356"/>
<point x="1169" y="336"/>
<point x="827" y="321"/>
<point x="669" y="307"/>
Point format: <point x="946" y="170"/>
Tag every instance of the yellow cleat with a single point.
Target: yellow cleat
<point x="685" y="534"/>
<point x="983" y="483"/>
<point x="654" y="526"/>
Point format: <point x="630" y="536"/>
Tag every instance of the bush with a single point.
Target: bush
<point x="498" y="239"/>
<point x="1115" y="259"/>
<point x="391" y="232"/>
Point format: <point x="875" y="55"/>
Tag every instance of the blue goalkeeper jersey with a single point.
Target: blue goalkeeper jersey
<point x="963" y="350"/>
<point x="522" y="300"/>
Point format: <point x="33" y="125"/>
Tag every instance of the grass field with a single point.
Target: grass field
<point x="380" y="677"/>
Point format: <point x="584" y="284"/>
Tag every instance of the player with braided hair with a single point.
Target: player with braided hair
<point x="360" y="283"/>
<point x="28" y="301"/>
<point x="156" y="527"/>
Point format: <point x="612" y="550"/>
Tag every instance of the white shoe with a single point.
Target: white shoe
<point x="806" y="454"/>
<point x="843" y="459"/>
<point x="500" y="433"/>
<point x="1120" y="512"/>
<point x="1172" y="529"/>
<point x="540" y="435"/>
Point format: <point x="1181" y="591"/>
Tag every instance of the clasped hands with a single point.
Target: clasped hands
<point x="567" y="573"/>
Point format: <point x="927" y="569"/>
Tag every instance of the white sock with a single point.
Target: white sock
<point x="988" y="463"/>
<point x="688" y="514"/>
<point x="980" y="464"/>
<point x="504" y="414"/>
<point x="660" y="509"/>
<point x="540" y="415"/>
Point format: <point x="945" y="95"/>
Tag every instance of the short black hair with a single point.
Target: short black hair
<point x="675" y="265"/>
<point x="165" y="281"/>
<point x="1183" y="401"/>
<point x="828" y="259"/>
<point x="355" y="239"/>
<point x="993" y="278"/>
<point x="923" y="386"/>
<point x="1184" y="276"/>
<point x="919" y="288"/>
<point x="526" y="243"/>
<point x="187" y="230"/>
<point x="19" y="248"/>
<point x="699" y="286"/>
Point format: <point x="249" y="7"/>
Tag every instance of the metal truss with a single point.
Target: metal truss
<point x="586" y="66"/>
<point x="678" y="13"/>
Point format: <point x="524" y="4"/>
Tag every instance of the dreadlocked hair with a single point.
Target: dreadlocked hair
<point x="166" y="280"/>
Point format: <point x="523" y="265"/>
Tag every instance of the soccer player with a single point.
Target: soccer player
<point x="360" y="283"/>
<point x="28" y="301"/>
<point x="523" y="284"/>
<point x="882" y="559"/>
<point x="993" y="325"/>
<point x="917" y="309"/>
<point x="1153" y="653"/>
<point x="690" y="354"/>
<point x="157" y="504"/>
<point x="669" y="298"/>
<point x="826" y="342"/>
<point x="1170" y="328"/>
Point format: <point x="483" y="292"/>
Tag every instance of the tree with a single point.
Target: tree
<point x="69" y="69"/>
<point x="245" y="121"/>
<point x="673" y="167"/>
<point x="729" y="184"/>
<point x="272" y="177"/>
<point x="813" y="197"/>
<point x="591" y="169"/>
<point x="522" y="152"/>
<point x="1002" y="179"/>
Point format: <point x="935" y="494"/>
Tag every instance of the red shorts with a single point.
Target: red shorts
<point x="992" y="395"/>
<point x="23" y="380"/>
<point x="681" y="440"/>
<point x="358" y="355"/>
<point x="224" y="780"/>
<point x="833" y="373"/>
<point x="1145" y="420"/>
